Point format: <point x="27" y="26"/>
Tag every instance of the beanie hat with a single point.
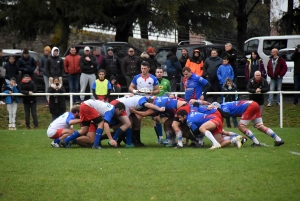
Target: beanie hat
<point x="25" y="51"/>
<point x="47" y="48"/>
<point x="174" y="49"/>
<point x="150" y="50"/>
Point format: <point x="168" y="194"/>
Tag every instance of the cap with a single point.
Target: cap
<point x="47" y="48"/>
<point x="150" y="50"/>
<point x="110" y="48"/>
<point x="87" y="48"/>
<point x="25" y="51"/>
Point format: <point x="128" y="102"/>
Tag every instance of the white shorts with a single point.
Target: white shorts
<point x="254" y="121"/>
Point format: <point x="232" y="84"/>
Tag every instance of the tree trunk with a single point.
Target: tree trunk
<point x="144" y="30"/>
<point x="289" y="18"/>
<point x="123" y="32"/>
<point x="183" y="35"/>
<point x="242" y="19"/>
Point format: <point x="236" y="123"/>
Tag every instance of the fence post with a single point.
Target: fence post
<point x="281" y="109"/>
<point x="71" y="100"/>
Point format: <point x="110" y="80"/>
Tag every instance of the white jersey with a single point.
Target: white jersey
<point x="145" y="82"/>
<point x="137" y="102"/>
<point x="100" y="106"/>
<point x="60" y="122"/>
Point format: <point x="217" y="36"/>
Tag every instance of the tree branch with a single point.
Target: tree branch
<point x="251" y="9"/>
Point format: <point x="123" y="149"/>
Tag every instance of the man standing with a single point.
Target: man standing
<point x="111" y="64"/>
<point x="88" y="67"/>
<point x="210" y="69"/>
<point x="26" y="64"/>
<point x="183" y="59"/>
<point x="276" y="70"/>
<point x="47" y="51"/>
<point x="257" y="86"/>
<point x="2" y="75"/>
<point x="173" y="67"/>
<point x="231" y="54"/>
<point x="130" y="66"/>
<point x="72" y="69"/>
<point x="296" y="58"/>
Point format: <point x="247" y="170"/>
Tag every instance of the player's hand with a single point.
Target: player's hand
<point x="30" y="93"/>
<point x="162" y="109"/>
<point x="203" y="102"/>
<point x="132" y="110"/>
<point x="113" y="143"/>
<point x="210" y="107"/>
<point x="192" y="101"/>
<point x="202" y="97"/>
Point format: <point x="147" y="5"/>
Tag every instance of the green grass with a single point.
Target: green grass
<point x="32" y="170"/>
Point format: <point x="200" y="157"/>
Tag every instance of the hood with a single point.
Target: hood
<point x="170" y="54"/>
<point x="145" y="55"/>
<point x="26" y="82"/>
<point x="53" y="49"/>
<point x="112" y="78"/>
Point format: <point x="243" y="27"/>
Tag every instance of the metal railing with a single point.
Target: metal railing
<point x="176" y="93"/>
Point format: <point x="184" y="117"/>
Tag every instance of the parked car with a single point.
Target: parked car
<point x="204" y="53"/>
<point x="286" y="53"/>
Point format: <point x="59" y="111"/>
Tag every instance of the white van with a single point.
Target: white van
<point x="264" y="45"/>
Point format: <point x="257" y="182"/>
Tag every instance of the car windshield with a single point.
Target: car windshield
<point x="286" y="55"/>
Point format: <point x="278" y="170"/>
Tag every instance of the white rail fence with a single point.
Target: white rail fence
<point x="177" y="93"/>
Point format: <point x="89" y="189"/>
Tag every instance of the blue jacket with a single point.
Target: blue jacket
<point x="225" y="71"/>
<point x="10" y="99"/>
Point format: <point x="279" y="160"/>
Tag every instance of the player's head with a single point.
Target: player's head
<point x="182" y="115"/>
<point x="216" y="105"/>
<point x="101" y="74"/>
<point x="120" y="107"/>
<point x="145" y="67"/>
<point x="75" y="110"/>
<point x="187" y="72"/>
<point x="159" y="73"/>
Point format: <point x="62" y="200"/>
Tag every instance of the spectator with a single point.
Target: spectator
<point x="229" y="86"/>
<point x="43" y="63"/>
<point x="57" y="104"/>
<point x="255" y="63"/>
<point x="296" y="58"/>
<point x="232" y="58"/>
<point x="88" y="66"/>
<point x="11" y="103"/>
<point x="276" y="70"/>
<point x="72" y="69"/>
<point x="210" y="69"/>
<point x="130" y="66"/>
<point x="98" y="55"/>
<point x="54" y="66"/>
<point x="2" y="75"/>
<point x="195" y="63"/>
<point x="26" y="64"/>
<point x="145" y="56"/>
<point x="28" y="87"/>
<point x="225" y="71"/>
<point x="116" y="87"/>
<point x="183" y="59"/>
<point x="11" y="69"/>
<point x="173" y="68"/>
<point x="111" y="64"/>
<point x="101" y="87"/>
<point x="258" y="85"/>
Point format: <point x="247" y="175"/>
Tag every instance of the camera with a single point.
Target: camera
<point x="57" y="84"/>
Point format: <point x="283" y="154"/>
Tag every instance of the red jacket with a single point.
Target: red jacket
<point x="72" y="64"/>
<point x="280" y="68"/>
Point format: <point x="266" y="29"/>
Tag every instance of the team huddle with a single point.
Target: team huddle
<point x="191" y="118"/>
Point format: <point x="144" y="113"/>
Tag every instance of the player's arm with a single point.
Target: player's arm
<point x="74" y="121"/>
<point x="154" y="107"/>
<point x="132" y="88"/>
<point x="156" y="90"/>
<point x="146" y="113"/>
<point x="107" y="117"/>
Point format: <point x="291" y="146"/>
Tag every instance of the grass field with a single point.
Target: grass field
<point x="32" y="170"/>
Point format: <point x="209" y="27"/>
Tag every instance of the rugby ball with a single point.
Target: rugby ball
<point x="144" y="90"/>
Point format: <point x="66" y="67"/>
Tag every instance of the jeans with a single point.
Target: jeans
<point x="273" y="83"/>
<point x="12" y="110"/>
<point x="46" y="81"/>
<point x="27" y="108"/>
<point x="74" y="85"/>
<point x="297" y="88"/>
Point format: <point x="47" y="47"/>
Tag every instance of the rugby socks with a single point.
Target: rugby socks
<point x="210" y="136"/>
<point x="169" y="136"/>
<point x="159" y="131"/>
<point x="251" y="136"/>
<point x="155" y="129"/>
<point x="179" y="138"/>
<point x="99" y="132"/>
<point x="57" y="140"/>
<point x="273" y="135"/>
<point x="72" y="137"/>
<point x="128" y="134"/>
<point x="118" y="133"/>
<point x="137" y="134"/>
<point x="200" y="139"/>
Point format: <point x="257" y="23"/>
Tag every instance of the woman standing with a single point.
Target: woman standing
<point x="57" y="104"/>
<point x="254" y="63"/>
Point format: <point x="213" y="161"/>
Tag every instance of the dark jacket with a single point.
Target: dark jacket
<point x="85" y="66"/>
<point x="296" y="58"/>
<point x="24" y="88"/>
<point x="11" y="70"/>
<point x="173" y="66"/>
<point x="57" y="104"/>
<point x="211" y="66"/>
<point x="151" y="60"/>
<point x="130" y="66"/>
<point x="253" y="85"/>
<point x="54" y="65"/>
<point x="26" y="65"/>
<point x="43" y="64"/>
<point x="229" y="97"/>
<point x="249" y="71"/>
<point x="183" y="60"/>
<point x="231" y="54"/>
<point x="111" y="65"/>
<point x="280" y="68"/>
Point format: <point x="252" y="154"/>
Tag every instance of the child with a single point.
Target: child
<point x="225" y="71"/>
<point x="101" y="87"/>
<point x="229" y="86"/>
<point x="116" y="87"/>
<point x="28" y="87"/>
<point x="12" y="103"/>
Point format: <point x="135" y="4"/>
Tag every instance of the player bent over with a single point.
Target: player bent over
<point x="248" y="111"/>
<point x="60" y="128"/>
<point x="99" y="113"/>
